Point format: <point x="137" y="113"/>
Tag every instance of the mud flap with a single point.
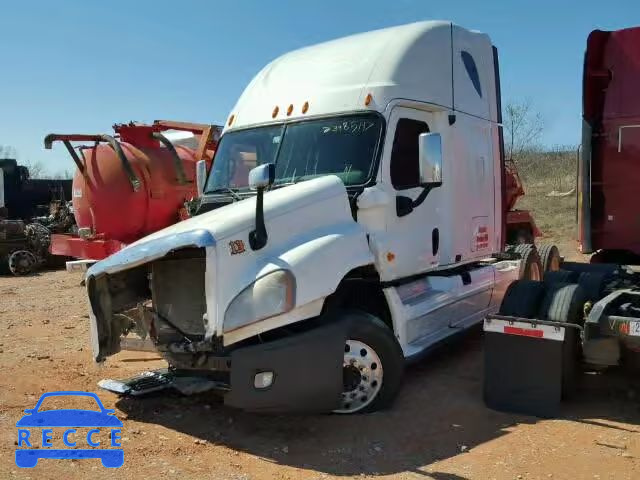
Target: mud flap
<point x="528" y="367"/>
<point x="307" y="372"/>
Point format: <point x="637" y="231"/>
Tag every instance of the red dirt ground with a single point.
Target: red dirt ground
<point x="438" y="429"/>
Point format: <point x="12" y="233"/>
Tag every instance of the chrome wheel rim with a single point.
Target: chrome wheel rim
<point x="361" y="375"/>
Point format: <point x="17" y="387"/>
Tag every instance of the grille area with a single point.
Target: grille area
<point x="177" y="289"/>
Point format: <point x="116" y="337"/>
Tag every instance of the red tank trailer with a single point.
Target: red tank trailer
<point x="131" y="184"/>
<point x="520" y="226"/>
<point x="609" y="170"/>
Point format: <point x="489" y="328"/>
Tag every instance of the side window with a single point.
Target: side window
<point x="405" y="170"/>
<point x="472" y="71"/>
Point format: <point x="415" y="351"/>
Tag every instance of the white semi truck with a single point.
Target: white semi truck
<point x="352" y="220"/>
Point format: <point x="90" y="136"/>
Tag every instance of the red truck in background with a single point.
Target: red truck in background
<point x="609" y="169"/>
<point x="131" y="184"/>
<point x="584" y="316"/>
<point x="520" y="225"/>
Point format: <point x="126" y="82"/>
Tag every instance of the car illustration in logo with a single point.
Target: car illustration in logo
<point x="28" y="457"/>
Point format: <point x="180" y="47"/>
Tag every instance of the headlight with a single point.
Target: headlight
<point x="270" y="295"/>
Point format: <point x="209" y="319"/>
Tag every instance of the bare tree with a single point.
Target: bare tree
<point x="7" y="151"/>
<point x="36" y="170"/>
<point x="523" y="127"/>
<point x="63" y="175"/>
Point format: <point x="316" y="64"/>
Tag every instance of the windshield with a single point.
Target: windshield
<point x="343" y="146"/>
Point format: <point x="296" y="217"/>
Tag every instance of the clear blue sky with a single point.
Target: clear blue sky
<point x="80" y="66"/>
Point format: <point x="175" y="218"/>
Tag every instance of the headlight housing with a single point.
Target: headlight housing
<point x="270" y="295"/>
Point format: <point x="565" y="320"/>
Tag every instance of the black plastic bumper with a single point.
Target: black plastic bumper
<point x="307" y="370"/>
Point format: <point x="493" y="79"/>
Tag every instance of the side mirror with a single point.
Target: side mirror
<point x="262" y="176"/>
<point x="201" y="176"/>
<point x="430" y="157"/>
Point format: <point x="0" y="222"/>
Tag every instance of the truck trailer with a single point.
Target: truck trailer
<point x="353" y="219"/>
<point x="583" y="316"/>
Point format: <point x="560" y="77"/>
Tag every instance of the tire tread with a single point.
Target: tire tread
<point x="563" y="302"/>
<point x="522" y="299"/>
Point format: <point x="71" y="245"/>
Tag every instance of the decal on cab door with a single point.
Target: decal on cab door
<point x="482" y="237"/>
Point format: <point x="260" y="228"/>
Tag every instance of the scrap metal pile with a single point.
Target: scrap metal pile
<point x="25" y="234"/>
<point x="24" y="246"/>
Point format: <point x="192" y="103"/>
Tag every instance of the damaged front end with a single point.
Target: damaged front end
<point x="155" y="291"/>
<point x="160" y="297"/>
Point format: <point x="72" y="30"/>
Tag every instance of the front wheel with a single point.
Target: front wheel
<point x="372" y="366"/>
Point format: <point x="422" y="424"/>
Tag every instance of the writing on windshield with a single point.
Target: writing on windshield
<point x="349" y="126"/>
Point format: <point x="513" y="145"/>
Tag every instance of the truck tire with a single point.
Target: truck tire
<point x="560" y="276"/>
<point x="530" y="266"/>
<point x="522" y="299"/>
<point x="373" y="365"/>
<point x="550" y="258"/>
<point x="522" y="248"/>
<point x="22" y="262"/>
<point x="592" y="283"/>
<point x="563" y="302"/>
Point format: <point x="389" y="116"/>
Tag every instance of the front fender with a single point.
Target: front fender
<point x="319" y="263"/>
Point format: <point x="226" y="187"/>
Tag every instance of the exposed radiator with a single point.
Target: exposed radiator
<point x="178" y="294"/>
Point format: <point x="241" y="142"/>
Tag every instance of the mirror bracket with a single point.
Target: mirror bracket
<point x="258" y="237"/>
<point x="406" y="205"/>
<point x="260" y="178"/>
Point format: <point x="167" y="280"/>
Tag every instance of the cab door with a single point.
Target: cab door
<point x="413" y="237"/>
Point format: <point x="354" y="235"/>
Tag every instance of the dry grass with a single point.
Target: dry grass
<point x="543" y="173"/>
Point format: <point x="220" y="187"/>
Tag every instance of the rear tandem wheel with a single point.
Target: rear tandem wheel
<point x="530" y="266"/>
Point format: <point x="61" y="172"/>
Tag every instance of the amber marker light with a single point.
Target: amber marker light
<point x="368" y="99"/>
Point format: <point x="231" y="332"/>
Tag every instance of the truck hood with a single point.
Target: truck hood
<point x="204" y="230"/>
<point x="311" y="234"/>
